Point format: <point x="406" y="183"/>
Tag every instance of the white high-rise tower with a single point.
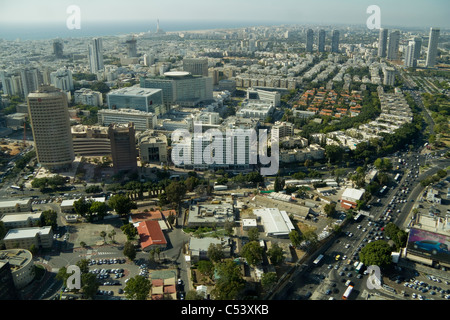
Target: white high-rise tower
<point x="432" y="47"/>
<point x="95" y="55"/>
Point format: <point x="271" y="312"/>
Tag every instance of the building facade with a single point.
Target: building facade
<point x="95" y="55"/>
<point x="123" y="147"/>
<point x="432" y="47"/>
<point x="49" y="117"/>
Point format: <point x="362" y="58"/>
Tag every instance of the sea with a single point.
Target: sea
<point x="46" y="30"/>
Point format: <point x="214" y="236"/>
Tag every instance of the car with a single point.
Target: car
<point x="338" y="257"/>
<point x="432" y="246"/>
<point x="180" y="281"/>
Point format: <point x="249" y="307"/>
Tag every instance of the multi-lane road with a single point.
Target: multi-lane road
<point x="328" y="279"/>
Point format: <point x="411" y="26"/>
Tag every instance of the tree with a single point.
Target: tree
<point x="376" y="253"/>
<point x="383" y="164"/>
<point x="295" y="238"/>
<point x="330" y="209"/>
<point x="279" y="184"/>
<point x="137" y="288"/>
<point x="334" y="153"/>
<point x="275" y="254"/>
<point x="82" y="206"/>
<point x="268" y="280"/>
<point x="253" y="234"/>
<point x="397" y="235"/>
<point x="121" y="204"/>
<point x="215" y="252"/>
<point x="103" y="235"/>
<point x="175" y="192"/>
<point x="229" y="282"/>
<point x="129" y="230"/>
<point x="193" y="295"/>
<point x="89" y="285"/>
<point x="129" y="250"/>
<point x="252" y="252"/>
<point x="99" y="208"/>
<point x="206" y="268"/>
<point x="49" y="218"/>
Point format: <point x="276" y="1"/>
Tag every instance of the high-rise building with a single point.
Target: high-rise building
<point x="382" y="42"/>
<point x="410" y="61"/>
<point x="95" y="55"/>
<point x="335" y="41"/>
<point x="417" y="47"/>
<point x="123" y="147"/>
<point x="393" y="45"/>
<point x="49" y="118"/>
<point x="196" y="66"/>
<point x="309" y="40"/>
<point x="321" y="45"/>
<point x="432" y="47"/>
<point x="62" y="79"/>
<point x="389" y="76"/>
<point x="131" y="48"/>
<point x="58" y="47"/>
<point x="30" y="80"/>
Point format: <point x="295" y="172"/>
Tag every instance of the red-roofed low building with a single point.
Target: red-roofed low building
<point x="151" y="235"/>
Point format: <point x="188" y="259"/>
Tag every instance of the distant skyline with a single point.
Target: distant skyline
<point x="401" y="13"/>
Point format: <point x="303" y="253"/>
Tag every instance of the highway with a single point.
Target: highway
<point x="327" y="280"/>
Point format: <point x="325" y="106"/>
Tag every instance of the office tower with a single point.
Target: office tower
<point x="123" y="147"/>
<point x="382" y="42"/>
<point x="393" y="45"/>
<point x="389" y="76"/>
<point x="62" y="79"/>
<point x="410" y="61"/>
<point x="432" y="47"/>
<point x="321" y="40"/>
<point x="30" y="80"/>
<point x="131" y="48"/>
<point x="49" y="118"/>
<point x="335" y="41"/>
<point x="95" y="55"/>
<point x="58" y="47"/>
<point x="417" y="47"/>
<point x="309" y="40"/>
<point x="196" y="66"/>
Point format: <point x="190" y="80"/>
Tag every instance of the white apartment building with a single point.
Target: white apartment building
<point x="88" y="97"/>
<point x="142" y="120"/>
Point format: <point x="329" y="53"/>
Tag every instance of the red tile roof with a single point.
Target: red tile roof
<point x="150" y="233"/>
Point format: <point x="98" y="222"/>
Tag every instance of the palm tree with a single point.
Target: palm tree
<point x="103" y="235"/>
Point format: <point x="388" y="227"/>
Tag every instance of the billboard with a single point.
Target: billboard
<point x="429" y="245"/>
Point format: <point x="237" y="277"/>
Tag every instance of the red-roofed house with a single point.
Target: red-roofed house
<point x="151" y="235"/>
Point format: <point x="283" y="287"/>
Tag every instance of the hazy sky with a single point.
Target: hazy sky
<point x="406" y="13"/>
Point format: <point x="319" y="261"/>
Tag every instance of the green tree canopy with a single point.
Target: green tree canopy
<point x="229" y="282"/>
<point x="376" y="253"/>
<point x="138" y="288"/>
<point x="252" y="252"/>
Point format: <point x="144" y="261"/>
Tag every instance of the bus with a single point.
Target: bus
<point x="383" y="189"/>
<point x="347" y="292"/>
<point x="397" y="177"/>
<point x="359" y="267"/>
<point x="318" y="259"/>
<point x="15" y="187"/>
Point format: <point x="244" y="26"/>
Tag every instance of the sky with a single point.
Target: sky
<point x="407" y="13"/>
